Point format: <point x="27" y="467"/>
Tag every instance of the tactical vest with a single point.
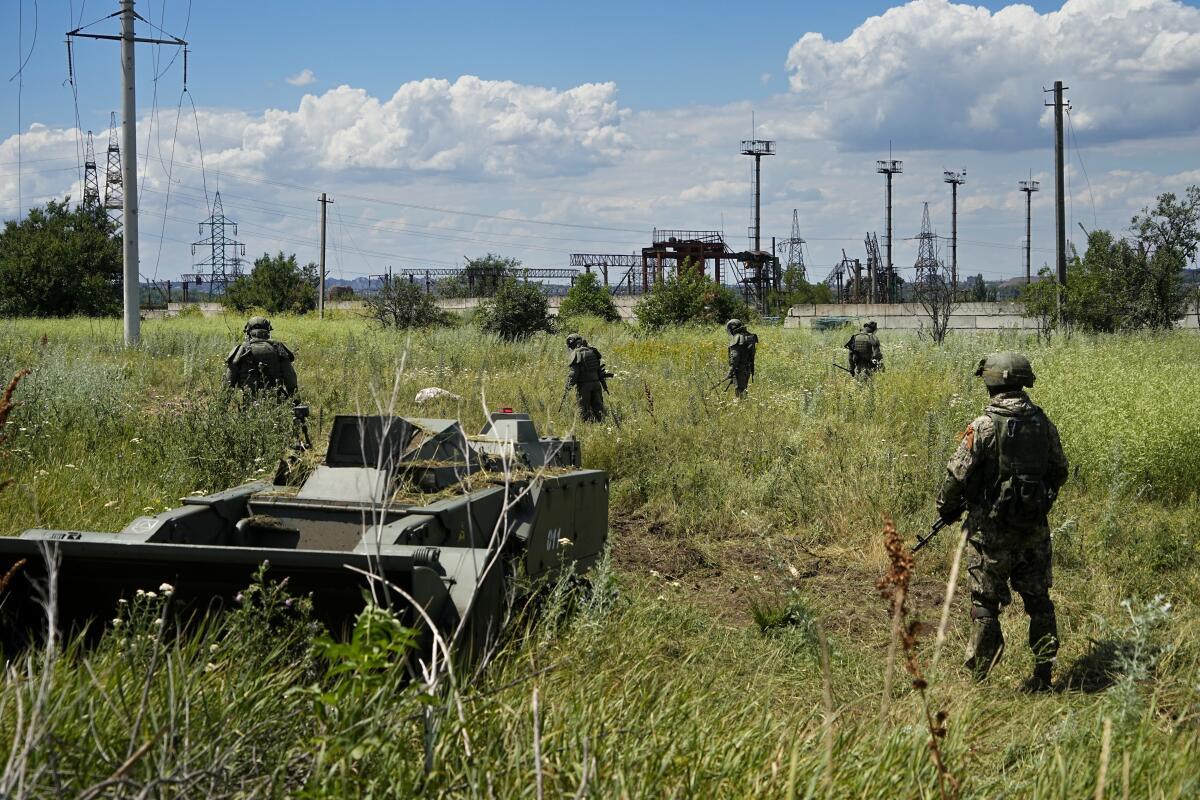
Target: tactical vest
<point x="260" y="366"/>
<point x="741" y="350"/>
<point x="1018" y="489"/>
<point x="862" y="347"/>
<point x="587" y="361"/>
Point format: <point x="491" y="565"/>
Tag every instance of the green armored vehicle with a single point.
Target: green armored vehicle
<point x="400" y="509"/>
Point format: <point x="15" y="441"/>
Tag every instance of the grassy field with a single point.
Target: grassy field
<point x="744" y="534"/>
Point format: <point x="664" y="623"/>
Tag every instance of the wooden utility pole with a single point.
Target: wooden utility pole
<point x="324" y="201"/>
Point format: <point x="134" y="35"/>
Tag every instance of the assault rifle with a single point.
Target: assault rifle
<point x="933" y="530"/>
<point x="727" y="380"/>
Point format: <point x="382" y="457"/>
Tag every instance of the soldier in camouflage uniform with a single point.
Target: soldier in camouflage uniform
<point x="1006" y="475"/>
<point x="865" y="353"/>
<point x="741" y="355"/>
<point x="260" y="365"/>
<point x="586" y="372"/>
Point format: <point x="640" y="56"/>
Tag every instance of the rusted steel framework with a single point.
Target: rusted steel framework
<point x="674" y="248"/>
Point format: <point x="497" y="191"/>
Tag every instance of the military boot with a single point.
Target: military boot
<point x="987" y="643"/>
<point x="1043" y="641"/>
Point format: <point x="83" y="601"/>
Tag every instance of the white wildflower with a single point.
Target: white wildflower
<point x="154" y="595"/>
<point x="167" y="589"/>
<point x="117" y="622"/>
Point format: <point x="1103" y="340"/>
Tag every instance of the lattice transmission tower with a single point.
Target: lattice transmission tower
<point x="114" y="194"/>
<point x="91" y="177"/>
<point x="926" y="265"/>
<point x="795" y="249"/>
<point x="224" y="261"/>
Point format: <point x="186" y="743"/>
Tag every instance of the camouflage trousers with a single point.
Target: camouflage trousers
<point x="591" y="401"/>
<point x="741" y="380"/>
<point x="997" y="558"/>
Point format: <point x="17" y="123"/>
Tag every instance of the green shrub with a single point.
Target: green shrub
<point x="517" y="310"/>
<point x="688" y="296"/>
<point x="401" y="304"/>
<point x="588" y="298"/>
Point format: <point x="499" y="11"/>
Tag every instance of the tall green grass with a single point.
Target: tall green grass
<point x="660" y="683"/>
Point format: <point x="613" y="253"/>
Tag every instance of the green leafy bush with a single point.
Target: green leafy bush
<point x="276" y="284"/>
<point x="401" y="304"/>
<point x="588" y="298"/>
<point x="688" y="296"/>
<point x="517" y="310"/>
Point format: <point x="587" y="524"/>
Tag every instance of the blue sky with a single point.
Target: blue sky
<point x="610" y="119"/>
<point x="661" y="55"/>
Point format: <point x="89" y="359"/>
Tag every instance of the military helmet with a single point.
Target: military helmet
<point x="255" y="323"/>
<point x="733" y="325"/>
<point x="870" y="326"/>
<point x="574" y="340"/>
<point x="1005" y="369"/>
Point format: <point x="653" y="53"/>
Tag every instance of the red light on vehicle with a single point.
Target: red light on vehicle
<point x="506" y="411"/>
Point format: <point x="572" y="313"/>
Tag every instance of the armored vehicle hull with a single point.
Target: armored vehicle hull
<point x="412" y="512"/>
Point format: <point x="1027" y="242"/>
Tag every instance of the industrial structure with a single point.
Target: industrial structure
<point x="794" y="261"/>
<point x="114" y="195"/>
<point x="888" y="168"/>
<point x="926" y="266"/>
<point x="223" y="262"/>
<point x="756" y="149"/>
<point x="955" y="179"/>
<point x="91" y="177"/>
<point x="1028" y="187"/>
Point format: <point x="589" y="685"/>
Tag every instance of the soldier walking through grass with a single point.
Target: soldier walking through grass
<point x="260" y="365"/>
<point x="586" y="372"/>
<point x="865" y="353"/>
<point x="1006" y="474"/>
<point x="742" y="347"/>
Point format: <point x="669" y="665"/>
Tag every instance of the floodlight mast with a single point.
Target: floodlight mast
<point x="1028" y="187"/>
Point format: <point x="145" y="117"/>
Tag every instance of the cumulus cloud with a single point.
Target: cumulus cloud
<point x="470" y="128"/>
<point x="304" y="77"/>
<point x="933" y="74"/>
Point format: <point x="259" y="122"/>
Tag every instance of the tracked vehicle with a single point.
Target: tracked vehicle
<point x="435" y="517"/>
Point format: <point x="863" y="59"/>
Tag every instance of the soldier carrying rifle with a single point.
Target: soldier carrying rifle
<point x="1006" y="474"/>
<point x="865" y="354"/>
<point x="741" y="356"/>
<point x="587" y="373"/>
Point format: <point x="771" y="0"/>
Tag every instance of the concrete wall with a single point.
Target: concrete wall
<point x="911" y="316"/>
<point x="624" y="304"/>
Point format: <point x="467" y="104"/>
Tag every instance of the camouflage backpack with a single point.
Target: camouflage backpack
<point x="261" y="362"/>
<point x="1023" y="449"/>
